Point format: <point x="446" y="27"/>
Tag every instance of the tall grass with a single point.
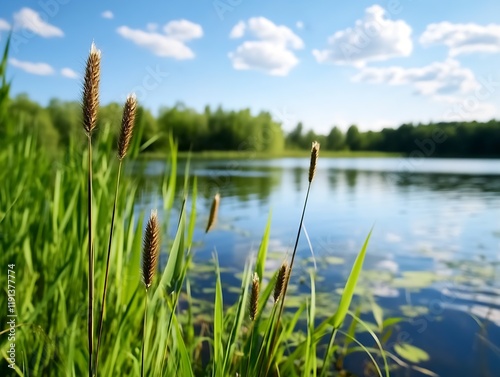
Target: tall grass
<point x="90" y="105"/>
<point x="54" y="214"/>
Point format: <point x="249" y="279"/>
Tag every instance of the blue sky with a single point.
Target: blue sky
<point x="324" y="63"/>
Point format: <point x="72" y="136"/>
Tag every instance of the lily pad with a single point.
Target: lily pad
<point x="416" y="279"/>
<point x="334" y="260"/>
<point x="411" y="353"/>
<point x="414" y="311"/>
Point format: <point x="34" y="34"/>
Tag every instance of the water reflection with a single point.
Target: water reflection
<point x="433" y="255"/>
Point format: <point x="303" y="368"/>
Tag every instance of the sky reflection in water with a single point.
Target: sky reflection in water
<point x="433" y="255"/>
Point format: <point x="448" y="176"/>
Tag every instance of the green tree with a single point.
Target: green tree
<point x="66" y="119"/>
<point x="353" y="138"/>
<point x="25" y="113"/>
<point x="295" y="137"/>
<point x="335" y="140"/>
<point x="146" y="127"/>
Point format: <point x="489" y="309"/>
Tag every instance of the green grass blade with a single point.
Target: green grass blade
<point x="238" y="318"/>
<point x="176" y="252"/>
<point x="365" y="349"/>
<point x="218" y="326"/>
<point x="185" y="363"/>
<point x="345" y="300"/>
<point x="192" y="215"/>
<point x="262" y="255"/>
<point x="375" y="338"/>
<point x="310" y="367"/>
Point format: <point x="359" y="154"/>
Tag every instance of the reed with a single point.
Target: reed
<point x="214" y="209"/>
<point x="273" y="338"/>
<point x="150" y="253"/>
<point x="254" y="297"/>
<point x="253" y="310"/>
<point x="280" y="281"/>
<point x="90" y="105"/>
<point x="127" y="127"/>
<point x="126" y="130"/>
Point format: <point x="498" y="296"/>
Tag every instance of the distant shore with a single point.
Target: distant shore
<point x="264" y="155"/>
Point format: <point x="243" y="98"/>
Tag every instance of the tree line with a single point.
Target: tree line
<point x="442" y="139"/>
<point x="58" y="123"/>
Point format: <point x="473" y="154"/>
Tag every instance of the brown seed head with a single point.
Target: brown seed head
<point x="254" y="297"/>
<point x="128" y="119"/>
<point x="280" y="281"/>
<point x="90" y="101"/>
<point x="151" y="248"/>
<point x="212" y="219"/>
<point x="314" y="160"/>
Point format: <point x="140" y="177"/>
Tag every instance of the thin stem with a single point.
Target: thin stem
<point x="169" y="326"/>
<point x="104" y="291"/>
<point x="144" y="333"/>
<point x="91" y="260"/>
<point x="250" y="350"/>
<point x="285" y="288"/>
<point x="294" y="252"/>
<point x="327" y="353"/>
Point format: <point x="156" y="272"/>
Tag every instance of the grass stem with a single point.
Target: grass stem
<point x="327" y="352"/>
<point x="104" y="291"/>
<point x="144" y="333"/>
<point x="91" y="259"/>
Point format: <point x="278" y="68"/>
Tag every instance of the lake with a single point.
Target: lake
<point x="433" y="257"/>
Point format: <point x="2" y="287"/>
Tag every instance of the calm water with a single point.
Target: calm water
<point x="433" y="256"/>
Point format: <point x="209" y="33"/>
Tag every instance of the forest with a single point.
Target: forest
<point x="239" y="130"/>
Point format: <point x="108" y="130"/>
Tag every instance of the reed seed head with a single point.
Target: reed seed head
<point x="280" y="281"/>
<point x="90" y="101"/>
<point x="212" y="219"/>
<point x="151" y="248"/>
<point x="128" y="119"/>
<point x="254" y="297"/>
<point x="314" y="160"/>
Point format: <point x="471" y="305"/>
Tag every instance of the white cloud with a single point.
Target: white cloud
<point x="238" y="30"/>
<point x="271" y="52"/>
<point x="274" y="59"/>
<point x="69" y="73"/>
<point x="374" y="38"/>
<point x="436" y="79"/>
<point x="4" y="25"/>
<point x="42" y="69"/>
<point x="169" y="44"/>
<point x="152" y="26"/>
<point x="107" y="14"/>
<point x="463" y="38"/>
<point x="266" y="30"/>
<point x="30" y="20"/>
<point x="183" y="30"/>
<point x="299" y="25"/>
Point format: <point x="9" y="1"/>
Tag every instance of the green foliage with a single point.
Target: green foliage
<point x="353" y="138"/>
<point x="65" y="117"/>
<point x="28" y="115"/>
<point x="146" y="126"/>
<point x="335" y="141"/>
<point x="4" y="92"/>
<point x="222" y="130"/>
